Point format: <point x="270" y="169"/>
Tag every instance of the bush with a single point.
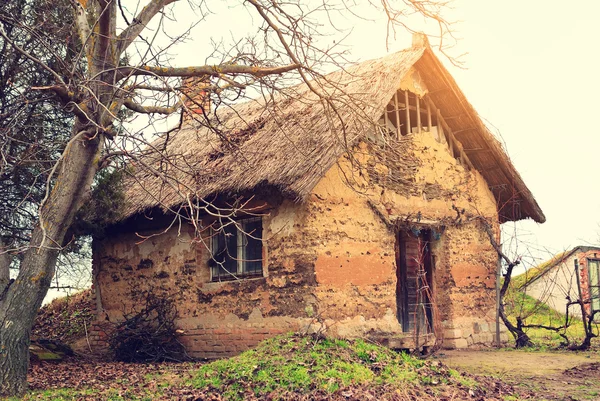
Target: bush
<point x="148" y="335"/>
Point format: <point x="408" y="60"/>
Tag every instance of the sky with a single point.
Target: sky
<point x="531" y="71"/>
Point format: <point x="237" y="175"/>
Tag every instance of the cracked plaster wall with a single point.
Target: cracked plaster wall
<point x="331" y="257"/>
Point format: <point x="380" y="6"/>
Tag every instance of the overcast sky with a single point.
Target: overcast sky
<point x="533" y="72"/>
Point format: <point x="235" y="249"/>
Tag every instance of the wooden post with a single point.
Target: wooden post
<point x="429" y="116"/>
<point x="406" y="104"/>
<point x="418" y="114"/>
<point x="498" y="284"/>
<point x="455" y="146"/>
<point x="398" y="131"/>
<point x="386" y="119"/>
<point x="440" y="127"/>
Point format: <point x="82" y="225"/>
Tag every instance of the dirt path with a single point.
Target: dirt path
<point x="551" y="375"/>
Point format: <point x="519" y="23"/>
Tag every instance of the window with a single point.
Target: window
<point x="237" y="250"/>
<point x="594" y="275"/>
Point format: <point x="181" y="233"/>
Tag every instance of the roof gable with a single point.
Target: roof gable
<point x="291" y="143"/>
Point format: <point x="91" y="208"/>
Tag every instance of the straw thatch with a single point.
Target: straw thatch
<point x="289" y="144"/>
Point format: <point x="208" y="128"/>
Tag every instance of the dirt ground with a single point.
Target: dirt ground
<point x="551" y="375"/>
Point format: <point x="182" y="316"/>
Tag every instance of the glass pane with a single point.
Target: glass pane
<point x="252" y="246"/>
<point x="594" y="271"/>
<point x="224" y="249"/>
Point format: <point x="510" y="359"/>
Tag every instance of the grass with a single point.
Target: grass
<point x="284" y="367"/>
<point x="534" y="312"/>
<point x="303" y="364"/>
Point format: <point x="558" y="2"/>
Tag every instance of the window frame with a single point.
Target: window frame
<point x="594" y="287"/>
<point x="243" y="271"/>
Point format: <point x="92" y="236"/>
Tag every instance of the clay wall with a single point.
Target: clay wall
<point x="352" y="214"/>
<point x="216" y="318"/>
<point x="329" y="263"/>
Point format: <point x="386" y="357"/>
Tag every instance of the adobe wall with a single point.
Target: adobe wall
<point x="329" y="262"/>
<point x="352" y="213"/>
<point x="217" y="319"/>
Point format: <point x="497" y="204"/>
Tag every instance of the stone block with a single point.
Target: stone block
<point x="255" y="314"/>
<point x="453" y="333"/>
<point x="457" y="343"/>
<point x="467" y="331"/>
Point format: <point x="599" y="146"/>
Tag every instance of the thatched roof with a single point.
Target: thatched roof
<point x="289" y="144"/>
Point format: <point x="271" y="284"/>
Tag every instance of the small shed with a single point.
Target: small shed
<point x="568" y="276"/>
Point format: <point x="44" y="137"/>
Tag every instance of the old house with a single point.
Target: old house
<point x="369" y="216"/>
<point x="568" y="276"/>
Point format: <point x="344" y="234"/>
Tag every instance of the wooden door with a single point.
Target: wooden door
<point x="414" y="278"/>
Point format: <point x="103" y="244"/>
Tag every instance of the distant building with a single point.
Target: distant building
<point x="568" y="276"/>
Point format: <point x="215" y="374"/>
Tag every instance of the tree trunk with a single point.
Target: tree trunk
<point x="19" y="307"/>
<point x="14" y="358"/>
<point x="5" y="261"/>
<point x="521" y="338"/>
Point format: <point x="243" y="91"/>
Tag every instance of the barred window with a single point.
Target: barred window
<point x="237" y="250"/>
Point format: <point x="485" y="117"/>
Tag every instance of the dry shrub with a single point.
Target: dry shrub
<point x="148" y="335"/>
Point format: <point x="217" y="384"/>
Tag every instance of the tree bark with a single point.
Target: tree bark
<point x="19" y="307"/>
<point x="5" y="260"/>
<point x="521" y="338"/>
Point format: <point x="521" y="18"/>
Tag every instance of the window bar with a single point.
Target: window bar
<point x="418" y="101"/>
<point x="398" y="132"/>
<point x="386" y="119"/>
<point x="407" y="112"/>
<point x="240" y="249"/>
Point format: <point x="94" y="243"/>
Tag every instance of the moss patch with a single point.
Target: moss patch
<point x="304" y="364"/>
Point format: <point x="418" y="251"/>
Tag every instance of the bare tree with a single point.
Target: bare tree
<point x="114" y="69"/>
<point x="559" y="302"/>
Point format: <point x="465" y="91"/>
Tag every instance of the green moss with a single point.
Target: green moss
<point x="293" y="363"/>
<point x="284" y="365"/>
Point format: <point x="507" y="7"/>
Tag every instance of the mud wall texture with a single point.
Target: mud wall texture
<point x="330" y="262"/>
<point x="355" y="211"/>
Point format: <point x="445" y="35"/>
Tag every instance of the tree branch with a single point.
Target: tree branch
<point x="83" y="28"/>
<point x="205" y="70"/>
<point x="30" y="57"/>
<point x="139" y="23"/>
<point x="5" y="261"/>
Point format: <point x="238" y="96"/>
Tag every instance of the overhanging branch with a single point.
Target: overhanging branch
<point x="205" y="70"/>
<point x="139" y="23"/>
